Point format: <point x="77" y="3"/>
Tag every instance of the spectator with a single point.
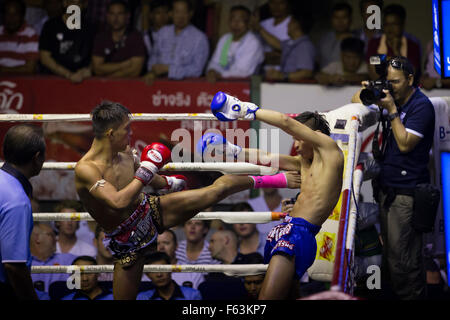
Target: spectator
<point x="273" y="31"/>
<point x="181" y="50"/>
<point x="103" y="256"/>
<point x="65" y="52"/>
<point x="350" y="69"/>
<point x="194" y="250"/>
<point x="43" y="251"/>
<point x="239" y="53"/>
<point x="297" y="55"/>
<point x="24" y="152"/>
<point x="253" y="283"/>
<point x="221" y="8"/>
<point x="394" y="41"/>
<point x="38" y="13"/>
<point x="250" y="240"/>
<point x="154" y="15"/>
<point x="167" y="243"/>
<point x="158" y="18"/>
<point x="68" y="241"/>
<point x="118" y="52"/>
<point x="217" y="286"/>
<point x="90" y="288"/>
<point x="431" y="79"/>
<point x="164" y="287"/>
<point x="270" y="200"/>
<point x="403" y="165"/>
<point x="330" y="44"/>
<point x="364" y="34"/>
<point x="18" y="41"/>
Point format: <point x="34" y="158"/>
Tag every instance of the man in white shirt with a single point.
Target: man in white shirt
<point x="67" y="241"/>
<point x="238" y="53"/>
<point x="274" y="30"/>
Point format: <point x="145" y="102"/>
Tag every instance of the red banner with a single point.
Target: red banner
<point x="68" y="141"/>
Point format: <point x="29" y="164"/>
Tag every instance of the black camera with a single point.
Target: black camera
<point x="374" y="91"/>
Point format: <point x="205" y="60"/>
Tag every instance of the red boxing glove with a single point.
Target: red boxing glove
<point x="153" y="158"/>
<point x="175" y="183"/>
<point x="156" y="153"/>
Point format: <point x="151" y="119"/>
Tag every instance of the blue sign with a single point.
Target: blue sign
<point x="445" y="171"/>
<point x="436" y="37"/>
<point x="446" y="37"/>
<point x="441" y="37"/>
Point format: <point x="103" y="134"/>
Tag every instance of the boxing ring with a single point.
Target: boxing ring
<point x="335" y="241"/>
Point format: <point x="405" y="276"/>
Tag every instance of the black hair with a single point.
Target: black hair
<point x="73" y="204"/>
<point x="252" y="258"/>
<point x="353" y="45"/>
<point x="406" y="67"/>
<point x="85" y="258"/>
<point x="241" y="8"/>
<point x="314" y="121"/>
<point x="397" y="10"/>
<point x="379" y="3"/>
<point x="188" y="3"/>
<point x="157" y="256"/>
<point x="20" y="3"/>
<point x="22" y="142"/>
<point x="159" y="3"/>
<point x="342" y="6"/>
<point x="242" y="206"/>
<point x="108" y="115"/>
<point x="305" y="21"/>
<point x="121" y="2"/>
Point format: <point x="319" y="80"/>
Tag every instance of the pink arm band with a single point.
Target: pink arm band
<point x="276" y="181"/>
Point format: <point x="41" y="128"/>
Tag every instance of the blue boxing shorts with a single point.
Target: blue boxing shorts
<point x="294" y="237"/>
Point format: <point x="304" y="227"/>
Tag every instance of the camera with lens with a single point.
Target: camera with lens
<point x="374" y="91"/>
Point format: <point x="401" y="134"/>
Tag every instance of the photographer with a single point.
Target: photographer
<point x="407" y="140"/>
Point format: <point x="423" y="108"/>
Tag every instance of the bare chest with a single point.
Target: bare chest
<point x="119" y="174"/>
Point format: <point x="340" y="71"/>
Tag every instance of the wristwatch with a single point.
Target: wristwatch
<point x="392" y="116"/>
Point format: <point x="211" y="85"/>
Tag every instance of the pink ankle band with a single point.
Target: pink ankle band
<point x="276" y="181"/>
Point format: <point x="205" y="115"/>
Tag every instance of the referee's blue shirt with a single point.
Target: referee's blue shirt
<point x="406" y="170"/>
<point x="16" y="223"/>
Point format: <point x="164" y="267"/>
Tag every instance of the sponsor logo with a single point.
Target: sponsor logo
<point x="154" y="156"/>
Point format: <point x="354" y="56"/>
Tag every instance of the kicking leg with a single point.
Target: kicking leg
<point x="278" y="280"/>
<point x="179" y="207"/>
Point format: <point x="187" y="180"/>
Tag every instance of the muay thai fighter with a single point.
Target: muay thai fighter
<point x="110" y="186"/>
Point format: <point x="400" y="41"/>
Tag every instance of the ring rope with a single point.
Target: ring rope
<point x="87" y="117"/>
<point x="225" y="216"/>
<point x="223" y="167"/>
<point x="234" y="270"/>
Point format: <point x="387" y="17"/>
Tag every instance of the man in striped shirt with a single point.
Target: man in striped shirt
<point x="18" y="41"/>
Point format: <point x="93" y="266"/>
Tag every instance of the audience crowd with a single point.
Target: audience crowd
<point x="179" y="39"/>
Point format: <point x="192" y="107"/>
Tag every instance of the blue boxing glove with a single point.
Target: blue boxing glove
<point x="229" y="108"/>
<point x="215" y="141"/>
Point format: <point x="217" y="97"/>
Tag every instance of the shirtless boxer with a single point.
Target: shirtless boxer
<point x="110" y="184"/>
<point x="291" y="246"/>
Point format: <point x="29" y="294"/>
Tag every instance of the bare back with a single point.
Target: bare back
<point x="321" y="185"/>
<point x="118" y="174"/>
